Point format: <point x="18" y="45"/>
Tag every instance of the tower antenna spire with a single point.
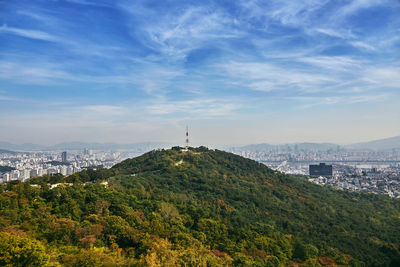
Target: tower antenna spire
<point x="187" y="138"/>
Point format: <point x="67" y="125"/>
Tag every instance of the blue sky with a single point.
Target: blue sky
<point x="236" y="71"/>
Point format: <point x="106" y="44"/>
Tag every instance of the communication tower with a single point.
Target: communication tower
<point x="187" y="138"/>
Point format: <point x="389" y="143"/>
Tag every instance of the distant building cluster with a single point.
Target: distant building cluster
<point x="27" y="165"/>
<point x="310" y="155"/>
<point x="366" y="171"/>
<point x="367" y="179"/>
<point x="24" y="174"/>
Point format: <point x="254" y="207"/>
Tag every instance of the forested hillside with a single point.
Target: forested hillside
<point x="193" y="208"/>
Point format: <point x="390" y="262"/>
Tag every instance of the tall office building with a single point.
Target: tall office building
<point x="321" y="170"/>
<point x="64" y="156"/>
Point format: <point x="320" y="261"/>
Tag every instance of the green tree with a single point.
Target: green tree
<point x="21" y="251"/>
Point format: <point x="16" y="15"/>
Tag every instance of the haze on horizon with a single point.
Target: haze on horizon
<point x="237" y="72"/>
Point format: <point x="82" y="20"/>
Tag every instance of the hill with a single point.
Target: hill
<point x="202" y="208"/>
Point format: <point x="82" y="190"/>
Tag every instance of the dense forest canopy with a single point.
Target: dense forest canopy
<point x="193" y="208"/>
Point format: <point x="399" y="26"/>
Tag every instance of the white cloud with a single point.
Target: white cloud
<point x="179" y="31"/>
<point x="23" y="73"/>
<point x="343" y="99"/>
<point x="90" y="3"/>
<point x="356" y="5"/>
<point x="338" y="63"/>
<point x="383" y="76"/>
<point x="36" y="16"/>
<point x="306" y="16"/>
<point x="264" y="76"/>
<point x="333" y="75"/>
<point x="286" y="11"/>
<point x="32" y="34"/>
<point x="339" y="33"/>
<point x="363" y="46"/>
<point x="149" y="77"/>
<point x="69" y="41"/>
<point x="201" y="108"/>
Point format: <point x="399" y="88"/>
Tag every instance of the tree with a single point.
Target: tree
<point x="21" y="251"/>
<point x="161" y="254"/>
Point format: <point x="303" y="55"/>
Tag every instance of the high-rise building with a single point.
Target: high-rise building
<point x="52" y="171"/>
<point x="64" y="156"/>
<point x="25" y="174"/>
<point x="70" y="170"/>
<point x="41" y="172"/>
<point x="321" y="170"/>
<point x="34" y="173"/>
<point x="63" y="170"/>
<point x="14" y="175"/>
<point x="6" y="177"/>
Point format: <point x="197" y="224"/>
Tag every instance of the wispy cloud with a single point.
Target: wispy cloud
<point x="67" y="37"/>
<point x="383" y="77"/>
<point x="32" y="34"/>
<point x="356" y="5"/>
<point x="286" y="12"/>
<point x="36" y="16"/>
<point x="363" y="45"/>
<point x="90" y="3"/>
<point x="151" y="79"/>
<point x="344" y="34"/>
<point x="338" y="63"/>
<point x="178" y="31"/>
<point x="264" y="76"/>
<point x="310" y="101"/>
<point x="201" y="108"/>
<point x="23" y="73"/>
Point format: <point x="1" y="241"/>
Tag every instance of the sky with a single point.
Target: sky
<point x="236" y="72"/>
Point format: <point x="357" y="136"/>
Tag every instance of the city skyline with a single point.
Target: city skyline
<point x="236" y="73"/>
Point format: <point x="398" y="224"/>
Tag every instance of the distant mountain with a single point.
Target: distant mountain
<point x="288" y="147"/>
<point x="22" y="147"/>
<point x="381" y="144"/>
<point x="4" y="151"/>
<point x="140" y="147"/>
<point x="255" y="147"/>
